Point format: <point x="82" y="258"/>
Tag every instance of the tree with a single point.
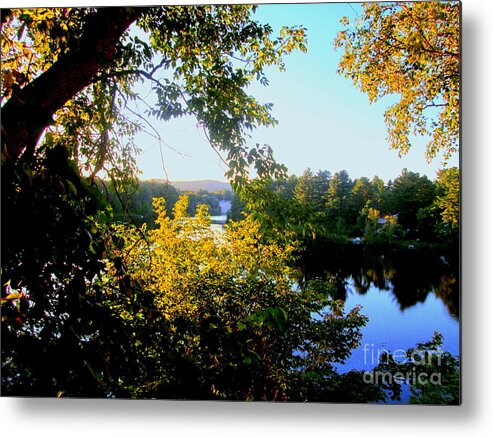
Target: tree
<point x="361" y="197"/>
<point x="371" y="225"/>
<point x="205" y="198"/>
<point x="237" y="323"/>
<point x="62" y="54"/>
<point x="407" y="194"/>
<point x="67" y="88"/>
<point x="57" y="337"/>
<point x="408" y="49"/>
<point x="132" y="203"/>
<point x="338" y="198"/>
<point x="311" y="189"/>
<point x="378" y="192"/>
<point x="237" y="210"/>
<point x="448" y="196"/>
<point x="74" y="68"/>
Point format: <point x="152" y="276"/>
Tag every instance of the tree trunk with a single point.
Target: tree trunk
<point x="30" y="110"/>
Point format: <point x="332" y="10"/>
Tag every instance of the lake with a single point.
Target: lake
<point x="406" y="294"/>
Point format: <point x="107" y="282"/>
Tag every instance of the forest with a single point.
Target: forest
<point x="134" y="204"/>
<point x="409" y="209"/>
<point x="118" y="288"/>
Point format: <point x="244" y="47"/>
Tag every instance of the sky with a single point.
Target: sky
<point x="324" y="121"/>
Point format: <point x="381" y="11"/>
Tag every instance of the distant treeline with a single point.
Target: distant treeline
<point x="134" y="204"/>
<point x="409" y="208"/>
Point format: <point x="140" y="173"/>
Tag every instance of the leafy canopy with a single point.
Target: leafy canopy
<point x="198" y="60"/>
<point x="448" y="199"/>
<point x="409" y="50"/>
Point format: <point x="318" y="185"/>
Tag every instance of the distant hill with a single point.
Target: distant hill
<point x="207" y="185"/>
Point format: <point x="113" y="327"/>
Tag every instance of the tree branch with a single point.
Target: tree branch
<point x="30" y="110"/>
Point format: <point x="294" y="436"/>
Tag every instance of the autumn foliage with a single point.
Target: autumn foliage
<point x="231" y="306"/>
<point x="408" y="50"/>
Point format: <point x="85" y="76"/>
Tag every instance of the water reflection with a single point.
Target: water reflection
<point x="408" y="274"/>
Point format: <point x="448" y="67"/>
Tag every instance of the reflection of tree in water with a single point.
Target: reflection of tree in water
<point x="408" y="274"/>
<point x="447" y="292"/>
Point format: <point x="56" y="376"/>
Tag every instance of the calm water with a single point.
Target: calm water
<point x="407" y="296"/>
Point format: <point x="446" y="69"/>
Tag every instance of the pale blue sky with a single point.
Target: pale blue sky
<point x="324" y="122"/>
